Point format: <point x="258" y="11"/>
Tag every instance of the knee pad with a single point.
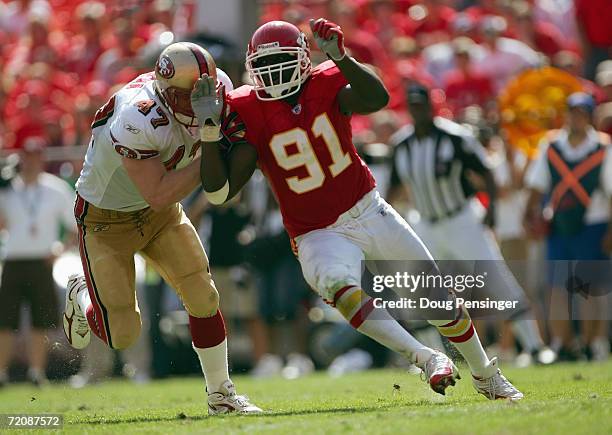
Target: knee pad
<point x="199" y="294"/>
<point x="125" y="327"/>
<point x="333" y="280"/>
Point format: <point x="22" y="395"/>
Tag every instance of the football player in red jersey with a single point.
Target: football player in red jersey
<point x="294" y="123"/>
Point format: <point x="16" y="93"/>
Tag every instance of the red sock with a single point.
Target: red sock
<point x="207" y="331"/>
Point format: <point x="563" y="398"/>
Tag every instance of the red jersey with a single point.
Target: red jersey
<point x="305" y="151"/>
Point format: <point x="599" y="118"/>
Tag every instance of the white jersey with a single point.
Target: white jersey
<point x="133" y="124"/>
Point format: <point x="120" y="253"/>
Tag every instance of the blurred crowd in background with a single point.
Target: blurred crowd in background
<point x="62" y="59"/>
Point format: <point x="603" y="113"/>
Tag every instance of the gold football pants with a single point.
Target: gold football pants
<point x="108" y="240"/>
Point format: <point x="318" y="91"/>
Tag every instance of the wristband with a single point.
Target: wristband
<point x="218" y="196"/>
<point x="210" y="133"/>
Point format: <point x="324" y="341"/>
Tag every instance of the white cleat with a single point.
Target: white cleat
<point x="440" y="372"/>
<point x="76" y="327"/>
<point x="495" y="385"/>
<point x="226" y="401"/>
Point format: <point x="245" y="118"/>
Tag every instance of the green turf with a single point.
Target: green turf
<point x="565" y="398"/>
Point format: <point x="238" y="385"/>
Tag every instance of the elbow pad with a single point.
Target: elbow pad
<point x="218" y="196"/>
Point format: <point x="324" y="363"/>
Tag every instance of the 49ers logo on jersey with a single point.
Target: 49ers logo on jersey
<point x="126" y="152"/>
<point x="130" y="153"/>
<point x="135" y="154"/>
<point x="165" y="67"/>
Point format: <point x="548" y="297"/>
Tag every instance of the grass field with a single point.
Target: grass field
<point x="565" y="398"/>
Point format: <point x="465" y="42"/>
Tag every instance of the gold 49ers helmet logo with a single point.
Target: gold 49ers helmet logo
<point x="165" y="68"/>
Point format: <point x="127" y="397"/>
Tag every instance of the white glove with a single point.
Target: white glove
<point x="207" y="103"/>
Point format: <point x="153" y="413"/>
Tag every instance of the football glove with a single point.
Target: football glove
<point x="329" y="38"/>
<point x="207" y="102"/>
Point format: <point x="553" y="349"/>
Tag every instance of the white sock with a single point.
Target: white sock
<point x="214" y="365"/>
<point x="528" y="334"/>
<point x="388" y="332"/>
<point x="359" y="310"/>
<point x="470" y="348"/>
<point x="474" y="354"/>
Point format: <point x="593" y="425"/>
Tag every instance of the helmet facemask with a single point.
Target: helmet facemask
<point x="278" y="72"/>
<point x="178" y="103"/>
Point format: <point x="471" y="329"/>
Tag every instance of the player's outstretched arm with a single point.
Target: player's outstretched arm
<point x="222" y="177"/>
<point x="159" y="187"/>
<point x="366" y="92"/>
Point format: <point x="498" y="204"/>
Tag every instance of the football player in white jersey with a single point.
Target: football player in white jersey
<point x="140" y="163"/>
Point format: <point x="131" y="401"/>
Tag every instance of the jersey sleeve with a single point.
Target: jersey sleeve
<point x="329" y="79"/>
<point x="474" y="155"/>
<point x="242" y="121"/>
<point x="333" y="76"/>
<point x="234" y="129"/>
<point x="133" y="131"/>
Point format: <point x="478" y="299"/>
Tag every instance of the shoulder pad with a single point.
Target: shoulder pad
<point x="132" y="120"/>
<point x="244" y="91"/>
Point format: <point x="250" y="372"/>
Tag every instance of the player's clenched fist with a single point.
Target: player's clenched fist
<point x="329" y="38"/>
<point x="207" y="102"/>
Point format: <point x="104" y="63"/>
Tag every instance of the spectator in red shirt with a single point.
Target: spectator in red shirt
<point x="116" y="59"/>
<point x="540" y="36"/>
<point x="387" y="22"/>
<point x="570" y="62"/>
<point x="363" y="45"/>
<point x="432" y="21"/>
<point x="594" y="18"/>
<point x="22" y="113"/>
<point x="15" y="16"/>
<point x="465" y="85"/>
<point x="407" y="68"/>
<point x="483" y="8"/>
<point x="34" y="46"/>
<point x="562" y="15"/>
<point x="504" y="57"/>
<point x="86" y="46"/>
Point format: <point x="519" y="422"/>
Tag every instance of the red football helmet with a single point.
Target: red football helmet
<point x="278" y="60"/>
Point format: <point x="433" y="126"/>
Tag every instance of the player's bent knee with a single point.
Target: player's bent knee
<point x="126" y="330"/>
<point x="330" y="292"/>
<point x="200" y="297"/>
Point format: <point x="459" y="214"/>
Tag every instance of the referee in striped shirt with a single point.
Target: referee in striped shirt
<point x="438" y="161"/>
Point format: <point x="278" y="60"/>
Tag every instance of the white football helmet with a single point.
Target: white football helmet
<point x="176" y="71"/>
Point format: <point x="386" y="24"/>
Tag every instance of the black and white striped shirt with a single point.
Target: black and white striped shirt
<point x="434" y="167"/>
